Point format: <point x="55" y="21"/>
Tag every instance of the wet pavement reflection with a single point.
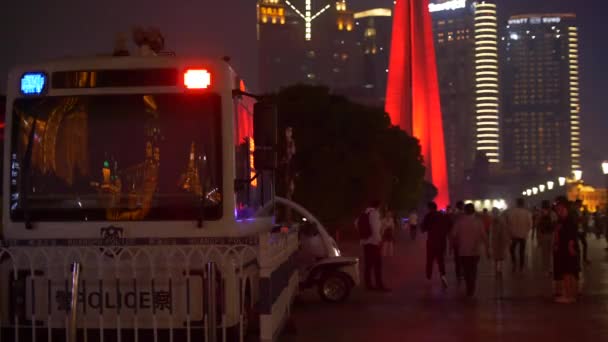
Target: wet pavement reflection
<point x="516" y="307"/>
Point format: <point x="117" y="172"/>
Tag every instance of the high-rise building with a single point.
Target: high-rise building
<point x="487" y="119"/>
<point x="541" y="94"/>
<point x="280" y="46"/>
<point x="466" y="37"/>
<point x="373" y="28"/>
<point x="306" y="41"/>
<point x="453" y="31"/>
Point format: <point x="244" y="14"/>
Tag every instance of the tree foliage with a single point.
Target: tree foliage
<point x="348" y="154"/>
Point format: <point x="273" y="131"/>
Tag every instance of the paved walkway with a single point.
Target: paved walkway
<point x="518" y="308"/>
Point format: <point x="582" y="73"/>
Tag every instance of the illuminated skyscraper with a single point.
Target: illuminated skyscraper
<point x="454" y="35"/>
<point x="466" y="38"/>
<point x="373" y="28"/>
<point x="282" y="60"/>
<point x="306" y="41"/>
<point x="541" y="94"/>
<point x="412" y="97"/>
<point x="487" y="119"/>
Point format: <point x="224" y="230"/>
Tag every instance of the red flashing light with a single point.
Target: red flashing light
<point x="197" y="79"/>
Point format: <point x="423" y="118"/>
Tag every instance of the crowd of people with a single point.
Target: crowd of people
<point x="559" y="230"/>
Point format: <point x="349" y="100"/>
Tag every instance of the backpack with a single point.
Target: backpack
<point x="364" y="226"/>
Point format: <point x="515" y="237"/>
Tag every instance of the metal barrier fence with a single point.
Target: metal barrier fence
<point x="74" y="302"/>
<point x="279" y="281"/>
<point x="128" y="292"/>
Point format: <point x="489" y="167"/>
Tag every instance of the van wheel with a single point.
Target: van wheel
<point x="334" y="287"/>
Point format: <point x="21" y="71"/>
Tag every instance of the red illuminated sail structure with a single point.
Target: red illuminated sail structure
<point x="412" y="95"/>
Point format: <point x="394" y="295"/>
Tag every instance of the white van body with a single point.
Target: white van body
<point x="144" y="265"/>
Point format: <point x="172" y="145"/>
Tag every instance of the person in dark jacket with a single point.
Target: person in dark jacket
<point x="581" y="217"/>
<point x="437" y="226"/>
<point x="566" y="253"/>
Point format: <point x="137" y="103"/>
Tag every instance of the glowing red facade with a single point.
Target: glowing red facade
<point x="412" y="95"/>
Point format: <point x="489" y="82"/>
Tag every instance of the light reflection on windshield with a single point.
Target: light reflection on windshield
<point x="118" y="157"/>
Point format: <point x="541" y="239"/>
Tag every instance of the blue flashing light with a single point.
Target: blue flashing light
<point x="33" y="83"/>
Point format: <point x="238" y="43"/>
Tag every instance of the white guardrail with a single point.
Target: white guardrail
<point x="152" y="291"/>
<point x="279" y="281"/>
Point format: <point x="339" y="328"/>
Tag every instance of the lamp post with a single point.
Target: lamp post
<point x="605" y="167"/>
<point x="578" y="175"/>
<point x="605" y="172"/>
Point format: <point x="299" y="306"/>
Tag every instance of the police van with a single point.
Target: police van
<point x="131" y="187"/>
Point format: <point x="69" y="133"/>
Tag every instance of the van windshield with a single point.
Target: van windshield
<point x="116" y="158"/>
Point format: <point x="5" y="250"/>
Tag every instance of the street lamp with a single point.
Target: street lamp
<point x="562" y="181"/>
<point x="578" y="175"/>
<point x="478" y="205"/>
<point x="605" y="167"/>
<point x="525" y="193"/>
<point x="550" y="185"/>
<point x="542" y="187"/>
<point x="535" y="190"/>
<point x="605" y="171"/>
<point x="529" y="192"/>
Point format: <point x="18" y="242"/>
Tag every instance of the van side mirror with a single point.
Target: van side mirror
<point x="265" y="135"/>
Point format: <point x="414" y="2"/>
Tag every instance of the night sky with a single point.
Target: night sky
<point x="36" y="30"/>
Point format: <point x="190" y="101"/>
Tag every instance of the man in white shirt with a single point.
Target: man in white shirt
<point x="371" y="248"/>
<point x="519" y="222"/>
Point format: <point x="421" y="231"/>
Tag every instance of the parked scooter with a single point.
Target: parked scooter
<point x="321" y="263"/>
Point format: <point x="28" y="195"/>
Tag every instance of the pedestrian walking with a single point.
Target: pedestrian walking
<point x="437" y="227"/>
<point x="369" y="225"/>
<point x="486" y="218"/>
<point x="455" y="217"/>
<point x="388" y="234"/>
<point x="413" y="223"/>
<point x="604" y="219"/>
<point x="598" y="224"/>
<point x="500" y="238"/>
<point x="519" y="222"/>
<point x="581" y="221"/>
<point x="566" y="253"/>
<point x="536" y="213"/>
<point x="469" y="235"/>
<point x="544" y="235"/>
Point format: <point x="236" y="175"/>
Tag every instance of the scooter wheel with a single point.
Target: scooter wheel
<point x="334" y="287"/>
